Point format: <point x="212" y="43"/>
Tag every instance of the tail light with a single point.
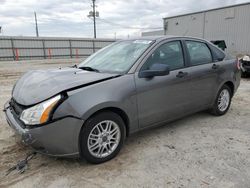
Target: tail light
<point x="238" y="63"/>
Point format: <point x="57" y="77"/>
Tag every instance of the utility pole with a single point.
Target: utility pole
<point x="165" y="26"/>
<point x="94" y="14"/>
<point x="37" y="34"/>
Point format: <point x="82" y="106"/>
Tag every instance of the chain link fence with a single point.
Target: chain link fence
<point x="29" y="48"/>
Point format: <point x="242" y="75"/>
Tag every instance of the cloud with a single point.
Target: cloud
<point x="69" y="17"/>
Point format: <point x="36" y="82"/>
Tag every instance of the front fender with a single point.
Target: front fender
<point x="115" y="93"/>
<point x="105" y="105"/>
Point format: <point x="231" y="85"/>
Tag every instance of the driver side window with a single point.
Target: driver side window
<point x="169" y="53"/>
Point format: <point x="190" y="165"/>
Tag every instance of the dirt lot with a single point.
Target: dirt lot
<point x="198" y="151"/>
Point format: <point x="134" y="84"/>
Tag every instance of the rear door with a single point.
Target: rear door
<point x="203" y="73"/>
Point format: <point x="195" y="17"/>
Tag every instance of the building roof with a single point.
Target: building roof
<point x="203" y="11"/>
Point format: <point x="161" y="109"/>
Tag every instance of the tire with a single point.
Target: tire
<point x="97" y="145"/>
<point x="221" y="110"/>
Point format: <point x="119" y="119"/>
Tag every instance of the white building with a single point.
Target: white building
<point x="231" y="23"/>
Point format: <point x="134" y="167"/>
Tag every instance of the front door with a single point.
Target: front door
<point x="163" y="98"/>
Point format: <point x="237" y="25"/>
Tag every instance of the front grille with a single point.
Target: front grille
<point x="17" y="108"/>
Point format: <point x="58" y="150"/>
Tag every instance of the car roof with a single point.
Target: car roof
<point x="150" y="38"/>
<point x="164" y="37"/>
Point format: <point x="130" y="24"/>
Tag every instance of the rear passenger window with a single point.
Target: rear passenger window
<point x="217" y="53"/>
<point x="199" y="53"/>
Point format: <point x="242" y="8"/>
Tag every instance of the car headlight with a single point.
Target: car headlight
<point x="39" y="113"/>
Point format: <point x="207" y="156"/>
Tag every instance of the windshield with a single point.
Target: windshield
<point x="117" y="57"/>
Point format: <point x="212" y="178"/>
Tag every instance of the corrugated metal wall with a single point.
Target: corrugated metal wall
<point x="21" y="48"/>
<point x="231" y="24"/>
<point x="178" y="26"/>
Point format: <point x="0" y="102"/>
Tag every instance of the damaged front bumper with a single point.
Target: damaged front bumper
<point x="59" y="138"/>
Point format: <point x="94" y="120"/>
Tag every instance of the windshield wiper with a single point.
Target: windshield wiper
<point x="89" y="69"/>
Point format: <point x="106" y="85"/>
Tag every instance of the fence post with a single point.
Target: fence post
<point x="49" y="53"/>
<point x="17" y="54"/>
<point x="44" y="51"/>
<point x="13" y="48"/>
<point x="93" y="41"/>
<point x="77" y="53"/>
<point x="70" y="48"/>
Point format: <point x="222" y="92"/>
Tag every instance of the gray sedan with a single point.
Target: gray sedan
<point x="88" y="110"/>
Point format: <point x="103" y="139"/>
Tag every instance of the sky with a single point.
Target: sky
<point x="117" y="18"/>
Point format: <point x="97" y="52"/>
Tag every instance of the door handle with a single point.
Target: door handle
<point x="215" y="66"/>
<point x="181" y="74"/>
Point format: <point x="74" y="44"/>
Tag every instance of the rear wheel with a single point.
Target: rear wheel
<point x="222" y="102"/>
<point x="102" y="137"/>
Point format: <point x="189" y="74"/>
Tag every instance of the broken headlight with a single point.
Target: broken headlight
<point x="39" y="113"/>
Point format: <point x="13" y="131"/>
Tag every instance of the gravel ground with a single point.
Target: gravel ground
<point x="197" y="151"/>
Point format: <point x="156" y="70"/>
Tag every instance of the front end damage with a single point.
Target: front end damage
<point x="57" y="138"/>
<point x="35" y="100"/>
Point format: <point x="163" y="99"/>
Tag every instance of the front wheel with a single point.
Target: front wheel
<point x="222" y="102"/>
<point x="102" y="137"/>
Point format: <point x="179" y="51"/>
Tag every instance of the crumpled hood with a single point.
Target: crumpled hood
<point x="39" y="85"/>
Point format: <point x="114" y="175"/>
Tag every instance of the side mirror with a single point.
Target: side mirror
<point x="155" y="70"/>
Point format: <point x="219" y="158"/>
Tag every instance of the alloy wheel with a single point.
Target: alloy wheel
<point x="223" y="100"/>
<point x="104" y="139"/>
